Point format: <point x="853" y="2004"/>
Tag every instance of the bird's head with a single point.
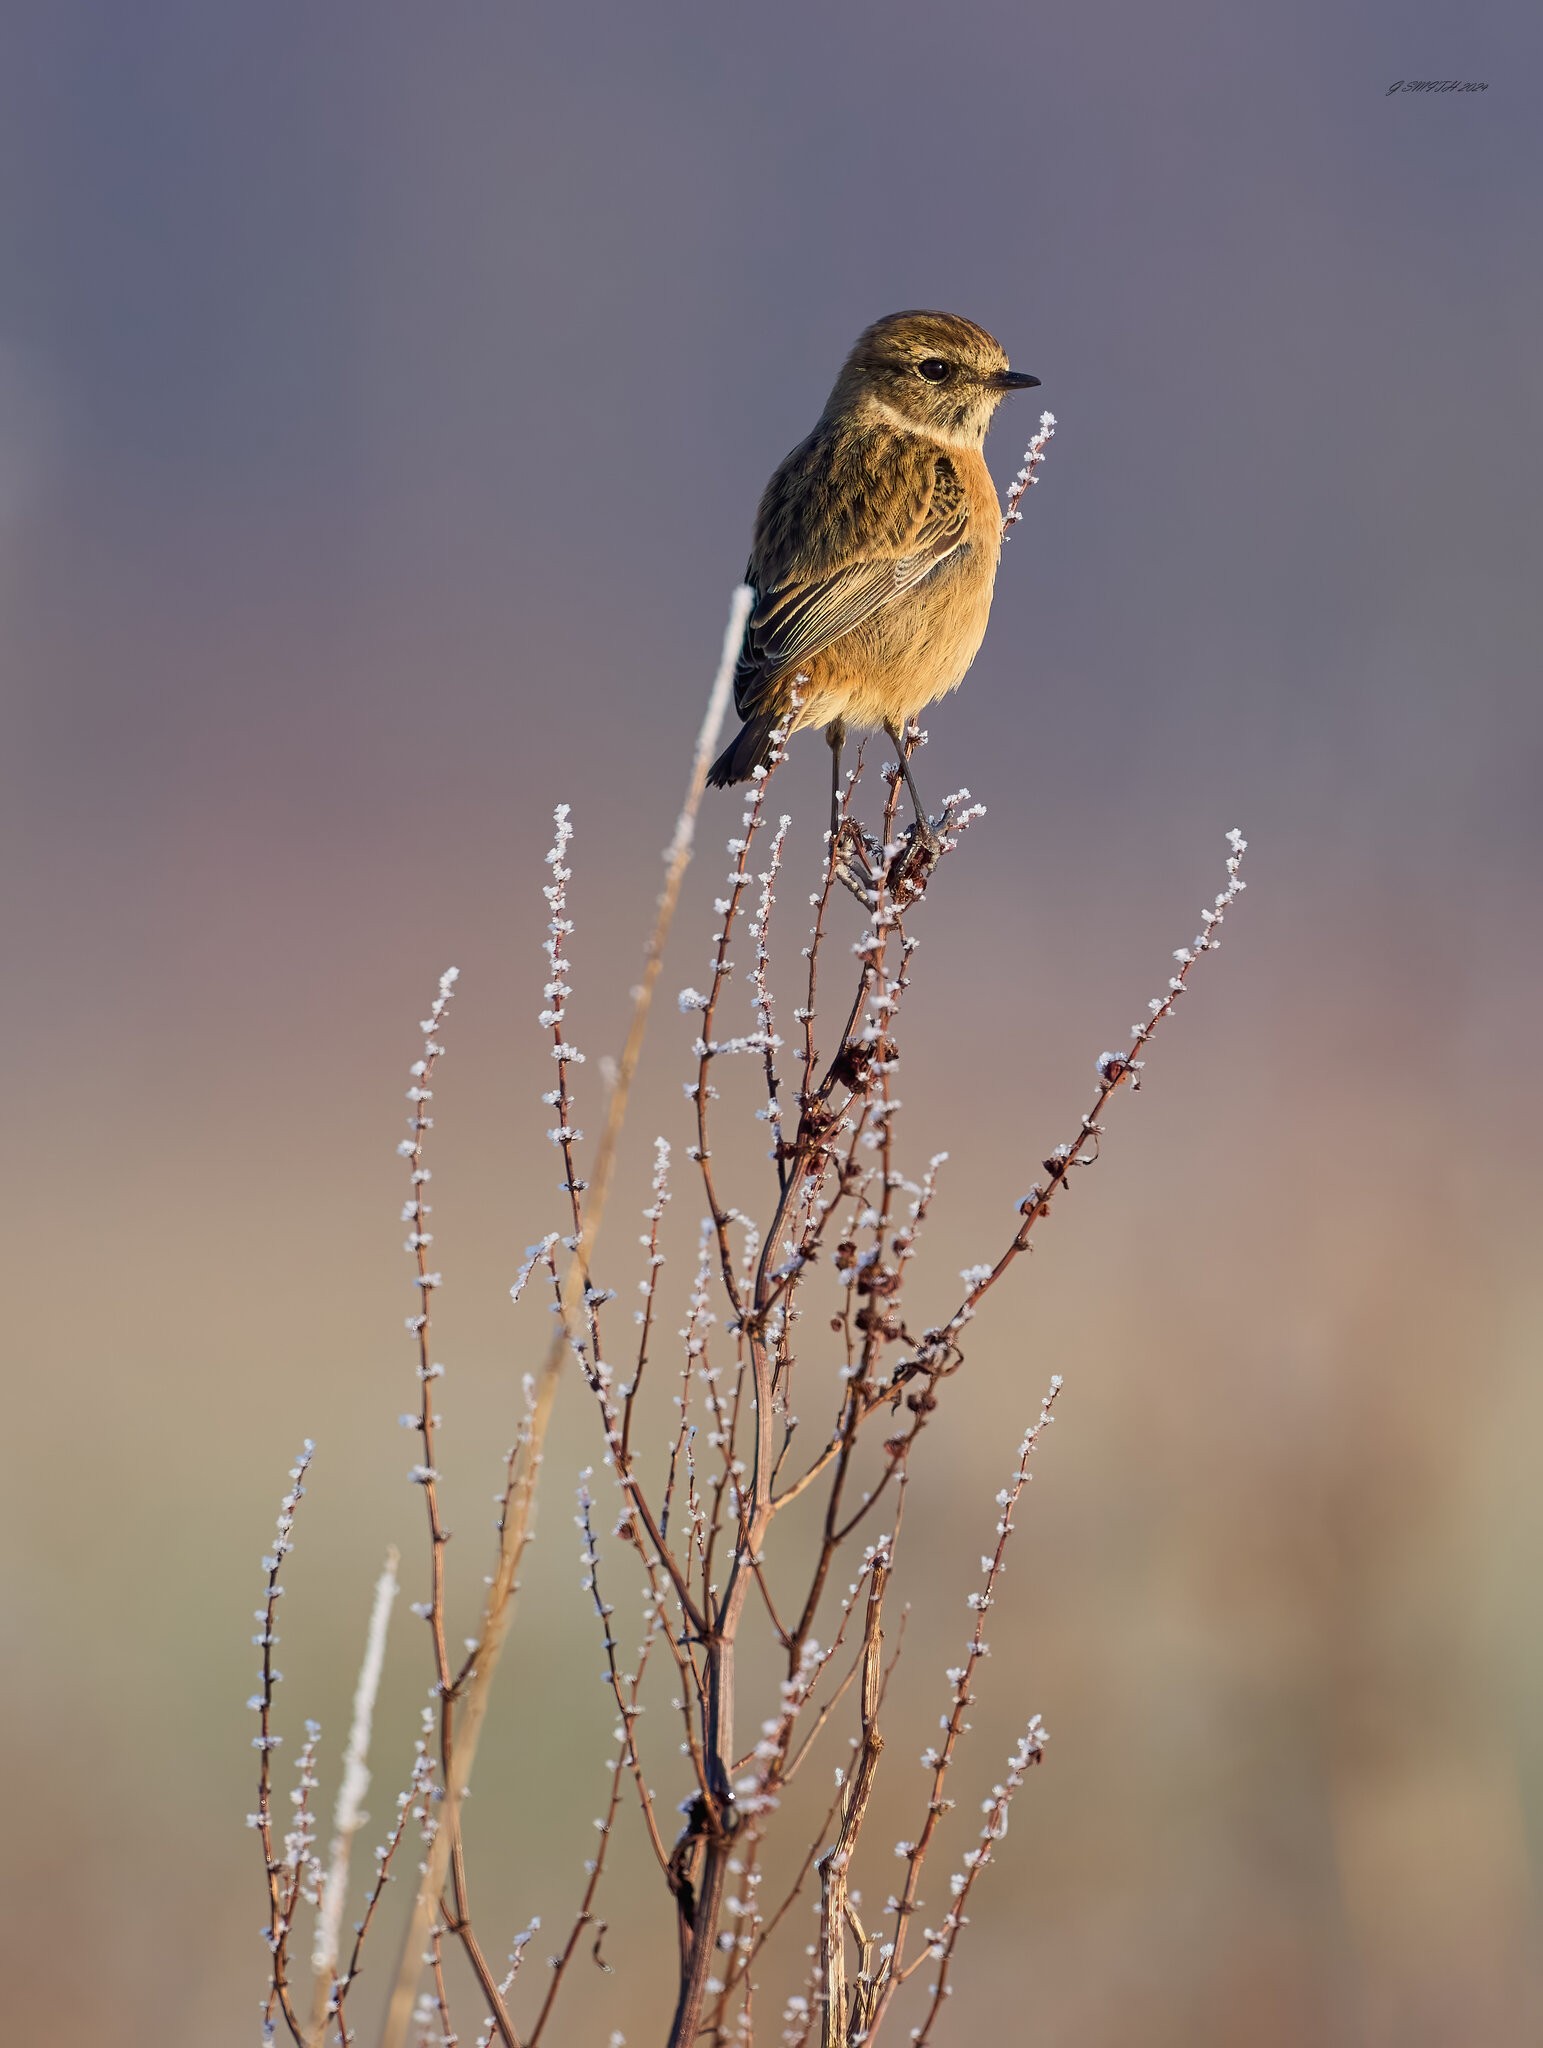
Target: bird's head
<point x="932" y="373"/>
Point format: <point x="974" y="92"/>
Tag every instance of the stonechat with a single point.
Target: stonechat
<point x="876" y="546"/>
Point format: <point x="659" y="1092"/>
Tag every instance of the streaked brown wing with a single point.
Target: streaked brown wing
<point x="795" y="620"/>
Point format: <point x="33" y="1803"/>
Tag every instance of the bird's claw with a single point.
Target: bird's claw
<point x="857" y="862"/>
<point x="911" y="868"/>
<point x="852" y="860"/>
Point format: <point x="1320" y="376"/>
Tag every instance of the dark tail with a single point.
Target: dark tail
<point x="750" y="748"/>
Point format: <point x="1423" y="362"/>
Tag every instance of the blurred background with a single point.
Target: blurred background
<point x="385" y="393"/>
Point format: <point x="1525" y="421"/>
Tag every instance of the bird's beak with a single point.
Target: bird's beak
<point x="1013" y="380"/>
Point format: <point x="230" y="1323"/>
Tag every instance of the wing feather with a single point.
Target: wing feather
<point x="800" y="615"/>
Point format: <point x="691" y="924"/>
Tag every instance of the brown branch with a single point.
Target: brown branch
<point x="939" y="1760"/>
<point x="839" y="2019"/>
<point x="1018" y="489"/>
<point x="625" y="1692"/>
<point x="281" y="1896"/>
<point x="413" y="1802"/>
<point x="1114" y="1068"/>
<point x="941" y="1945"/>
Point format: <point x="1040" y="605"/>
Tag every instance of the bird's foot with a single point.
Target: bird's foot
<point x="853" y="860"/>
<point x="911" y="869"/>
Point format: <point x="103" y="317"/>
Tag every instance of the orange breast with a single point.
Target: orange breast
<point x="920" y="647"/>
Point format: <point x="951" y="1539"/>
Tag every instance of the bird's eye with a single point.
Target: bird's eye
<point x="934" y="369"/>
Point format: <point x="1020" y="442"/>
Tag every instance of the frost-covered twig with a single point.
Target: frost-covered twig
<point x="648" y="1287"/>
<point x="1033" y="457"/>
<point x="942" y="1942"/>
<point x="517" y="1952"/>
<point x="708" y="1049"/>
<point x="771" y="1044"/>
<point x="412" y="1804"/>
<point x="415" y="1215"/>
<point x="937" y="1760"/>
<point x="836" y="1906"/>
<point x="938" y="1348"/>
<point x="555" y="1019"/>
<point x="425" y="1474"/>
<point x="624" y="1690"/>
<point x="282" y="1891"/>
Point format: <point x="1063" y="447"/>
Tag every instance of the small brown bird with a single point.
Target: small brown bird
<point x="876" y="546"/>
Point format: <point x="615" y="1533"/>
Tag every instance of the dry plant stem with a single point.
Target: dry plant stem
<point x="474" y="1683"/>
<point x="935" y="1355"/>
<point x="654" y="1216"/>
<point x="699" y="1927"/>
<point x="1114" y="1068"/>
<point x="839" y="1204"/>
<point x="411" y="1804"/>
<point x="283" y="1891"/>
<point x="437" y="1972"/>
<point x="457" y="1911"/>
<point x="715" y="1848"/>
<point x="826" y="1187"/>
<point x="1028" y="475"/>
<point x="837" y="2024"/>
<point x="299" y="1839"/>
<point x="748" y="1936"/>
<point x="588" y="1352"/>
<point x="818" y="2003"/>
<point x="624" y="1689"/>
<point x="770" y="1927"/>
<point x="941" y="1759"/>
<point x="941" y="1947"/>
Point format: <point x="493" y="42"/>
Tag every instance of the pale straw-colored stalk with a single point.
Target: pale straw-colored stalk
<point x="498" y="1610"/>
<point x="350" y="1816"/>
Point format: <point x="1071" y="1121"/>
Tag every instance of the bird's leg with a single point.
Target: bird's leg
<point x="924" y="831"/>
<point x="849" y="868"/>
<point x="918" y="854"/>
<point x="836" y="737"/>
